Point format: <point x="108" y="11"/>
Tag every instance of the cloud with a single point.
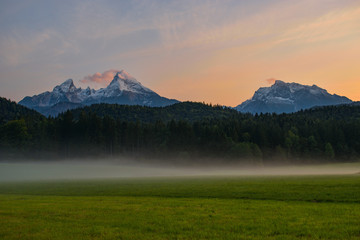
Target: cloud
<point x="100" y="78"/>
<point x="23" y="46"/>
<point x="15" y="49"/>
<point x="336" y="24"/>
<point x="271" y="80"/>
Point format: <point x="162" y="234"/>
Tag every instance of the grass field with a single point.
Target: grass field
<point x="273" y="207"/>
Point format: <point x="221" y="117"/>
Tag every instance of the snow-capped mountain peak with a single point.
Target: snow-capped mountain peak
<point x="125" y="76"/>
<point x="123" y="81"/>
<point x="289" y="97"/>
<point x="123" y="89"/>
<point x="67" y="86"/>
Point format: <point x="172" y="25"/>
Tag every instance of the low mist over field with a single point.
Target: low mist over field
<point x="20" y="171"/>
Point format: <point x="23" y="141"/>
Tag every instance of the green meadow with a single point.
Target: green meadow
<point x="231" y="207"/>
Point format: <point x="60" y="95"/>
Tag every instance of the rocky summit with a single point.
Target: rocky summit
<point x="284" y="97"/>
<point x="123" y="89"/>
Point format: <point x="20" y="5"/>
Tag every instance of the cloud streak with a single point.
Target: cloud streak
<point x="100" y="78"/>
<point x="270" y="80"/>
<point x="333" y="25"/>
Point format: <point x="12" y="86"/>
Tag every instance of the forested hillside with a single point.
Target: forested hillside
<point x="12" y="111"/>
<point x="189" y="111"/>
<point x="187" y="131"/>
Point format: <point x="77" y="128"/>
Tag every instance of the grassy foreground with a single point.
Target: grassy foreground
<point x="302" y="207"/>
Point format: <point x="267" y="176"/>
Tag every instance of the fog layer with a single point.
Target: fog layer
<point x="87" y="170"/>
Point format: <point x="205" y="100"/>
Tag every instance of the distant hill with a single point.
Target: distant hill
<point x="58" y="108"/>
<point x="10" y="110"/>
<point x="339" y="112"/>
<point x="123" y="89"/>
<point x="195" y="111"/>
<point x="189" y="111"/>
<point x="289" y="97"/>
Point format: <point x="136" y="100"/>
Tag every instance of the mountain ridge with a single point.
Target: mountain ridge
<point x="284" y="97"/>
<point x="123" y="89"/>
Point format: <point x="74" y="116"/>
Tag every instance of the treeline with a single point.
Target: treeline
<point x="189" y="111"/>
<point x="321" y="134"/>
<point x="10" y="110"/>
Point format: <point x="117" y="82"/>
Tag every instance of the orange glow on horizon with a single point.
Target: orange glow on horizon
<point x="221" y="54"/>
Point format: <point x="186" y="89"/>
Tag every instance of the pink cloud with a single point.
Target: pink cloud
<point x="271" y="80"/>
<point x="100" y="78"/>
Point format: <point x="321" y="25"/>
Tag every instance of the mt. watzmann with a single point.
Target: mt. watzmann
<point x="124" y="89"/>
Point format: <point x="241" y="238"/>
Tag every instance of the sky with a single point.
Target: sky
<point x="217" y="52"/>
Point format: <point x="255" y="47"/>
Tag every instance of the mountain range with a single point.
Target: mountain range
<point x="124" y="89"/>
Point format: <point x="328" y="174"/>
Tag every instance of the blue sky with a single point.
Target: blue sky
<point x="212" y="51"/>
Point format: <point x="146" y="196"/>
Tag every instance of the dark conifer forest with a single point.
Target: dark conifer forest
<point x="183" y="132"/>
